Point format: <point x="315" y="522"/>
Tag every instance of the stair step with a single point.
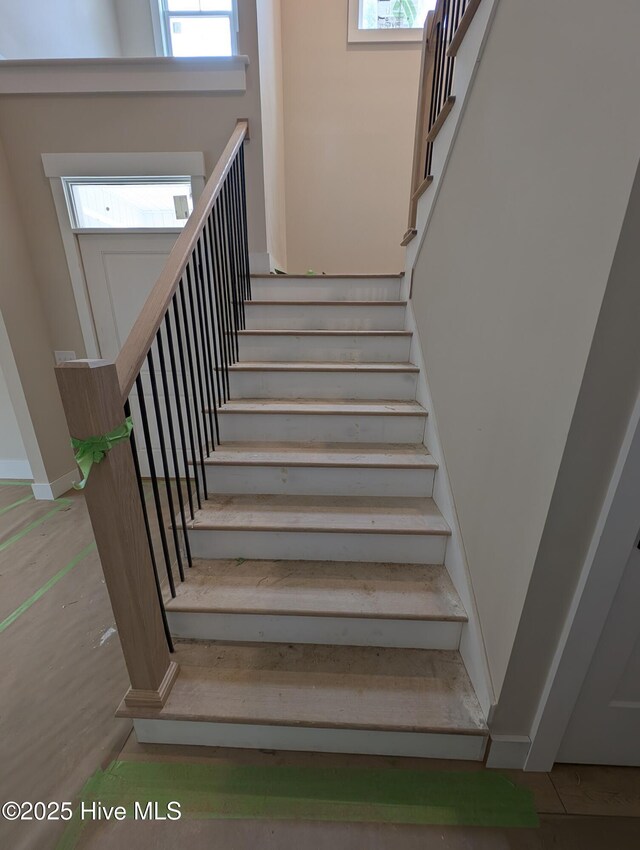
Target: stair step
<point x="323" y="698"/>
<point x="347" y="469"/>
<point x="318" y="346"/>
<point x="324" y="380"/>
<point x="332" y="528"/>
<point x="323" y="420"/>
<point x="325" y="315"/>
<point x="330" y="287"/>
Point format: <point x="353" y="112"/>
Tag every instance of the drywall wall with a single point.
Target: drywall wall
<point x="25" y="350"/>
<point x="33" y="125"/>
<point x="272" y="106"/>
<point x="510" y="278"/>
<point x="349" y="119"/>
<point x="13" y="455"/>
<point x="41" y="29"/>
<point x="135" y="27"/>
<point x="607" y="396"/>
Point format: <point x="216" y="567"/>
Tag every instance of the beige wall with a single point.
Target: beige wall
<point x="42" y="29"/>
<point x="135" y="27"/>
<point x="511" y="276"/>
<point x="11" y="445"/>
<point x="30" y="126"/>
<point x="272" y="104"/>
<point x="349" y="117"/>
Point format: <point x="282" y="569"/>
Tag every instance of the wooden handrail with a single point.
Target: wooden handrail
<point x="134" y="351"/>
<point x="463" y="26"/>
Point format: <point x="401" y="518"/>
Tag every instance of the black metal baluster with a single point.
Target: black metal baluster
<point x="172" y="443"/>
<point x="145" y="514"/>
<point x="154" y="484"/>
<point x="192" y="380"/>
<point x="192" y="333"/>
<point x="233" y="356"/>
<point x="245" y="225"/>
<point x="217" y="295"/>
<point x="239" y="229"/>
<point x="165" y="462"/>
<point x="180" y="408"/>
<point x="232" y="271"/>
<point x="221" y="290"/>
<point x="206" y="349"/>
<point x="235" y="239"/>
<point x="211" y="314"/>
<point x="233" y="253"/>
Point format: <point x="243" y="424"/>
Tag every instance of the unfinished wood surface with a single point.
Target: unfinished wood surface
<point x="463" y="26"/>
<point x="315" y="366"/>
<point x="303" y="276"/>
<point x="302" y="305"/>
<point x="422" y="188"/>
<point x="322" y="406"/>
<point x="320" y="588"/>
<point x="321" y="333"/>
<point x="93" y="405"/>
<point x="137" y="344"/>
<point x="322" y="686"/>
<point x="442" y="117"/>
<point x="350" y="455"/>
<point x="598" y="790"/>
<point x="409" y="236"/>
<point x="355" y="514"/>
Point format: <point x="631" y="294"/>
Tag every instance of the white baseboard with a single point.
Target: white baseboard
<point x="18" y="469"/>
<point x="50" y="490"/>
<point x="508" y="751"/>
<point x="260" y="263"/>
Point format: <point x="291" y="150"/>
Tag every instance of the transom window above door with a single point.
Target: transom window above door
<point x="199" y="27"/>
<point x="128" y="203"/>
<point x="388" y="20"/>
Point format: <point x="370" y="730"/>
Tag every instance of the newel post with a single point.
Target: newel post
<point x="94" y="406"/>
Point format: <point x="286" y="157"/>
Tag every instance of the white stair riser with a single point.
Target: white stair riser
<point x="343" y="631"/>
<point x="319" y="481"/>
<point x="318" y="288"/>
<point x="324" y="349"/>
<point x="336" y="317"/>
<point x="321" y="546"/>
<point x="324" y="427"/>
<point x="398" y="386"/>
<point x="305" y="739"/>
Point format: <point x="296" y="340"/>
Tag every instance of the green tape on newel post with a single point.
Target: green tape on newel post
<point x="93" y="449"/>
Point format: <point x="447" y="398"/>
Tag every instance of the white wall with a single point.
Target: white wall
<point x="272" y="108"/>
<point x="13" y="455"/>
<point x="511" y="276"/>
<point x="43" y="29"/>
<point x="349" y="118"/>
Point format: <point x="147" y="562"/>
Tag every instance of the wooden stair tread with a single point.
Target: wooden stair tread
<point x="319" y="589"/>
<point x="323" y="406"/>
<point x="326" y="303"/>
<point x="302" y="276"/>
<point x="379" y="455"/>
<point x="348" y="514"/>
<point x="317" y="366"/>
<point x="404" y="690"/>
<point x="304" y="332"/>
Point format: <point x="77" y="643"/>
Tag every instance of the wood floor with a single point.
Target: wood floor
<point x="62" y="678"/>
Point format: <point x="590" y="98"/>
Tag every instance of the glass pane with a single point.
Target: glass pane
<point x="394" y="14"/>
<point x="104" y="204"/>
<point x="199" y="5"/>
<point x="200" y="36"/>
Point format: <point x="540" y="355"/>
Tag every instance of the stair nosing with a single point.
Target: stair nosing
<point x="395" y="276"/>
<point x="297" y="407"/>
<point x="294" y="457"/>
<point x="324" y="366"/>
<point x="327" y="303"/>
<point x="303" y="332"/>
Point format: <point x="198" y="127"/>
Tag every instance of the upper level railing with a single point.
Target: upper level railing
<point x="444" y="30"/>
<point x="169" y="380"/>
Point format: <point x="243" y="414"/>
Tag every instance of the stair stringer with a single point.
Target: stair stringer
<point x="472" y="647"/>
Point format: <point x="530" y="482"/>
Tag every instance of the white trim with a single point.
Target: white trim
<point x="312" y="739"/>
<point x="158" y="30"/>
<point x="152" y="74"/>
<point x="165" y="16"/>
<point x="11" y="468"/>
<point x="508" y="752"/>
<point x="58" y="165"/>
<point x="613" y="539"/>
<point x="356" y="35"/>
<point x="49" y="490"/>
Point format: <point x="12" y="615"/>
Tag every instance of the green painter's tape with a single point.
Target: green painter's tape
<point x="59" y="504"/>
<point x="16" y="504"/>
<point x="473" y="798"/>
<point x="45" y="587"/>
<point x="14" y="483"/>
<point x="93" y="449"/>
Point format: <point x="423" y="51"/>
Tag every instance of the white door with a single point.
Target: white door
<point x="120" y="271"/>
<point x="605" y="724"/>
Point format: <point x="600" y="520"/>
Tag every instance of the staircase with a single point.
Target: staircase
<point x="318" y="614"/>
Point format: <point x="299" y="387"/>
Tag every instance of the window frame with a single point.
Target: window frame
<point x="164" y="23"/>
<point x="358" y="35"/>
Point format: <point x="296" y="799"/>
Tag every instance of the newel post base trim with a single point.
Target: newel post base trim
<point x="136" y="698"/>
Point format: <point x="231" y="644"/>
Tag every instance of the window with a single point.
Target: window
<point x="199" y="27"/>
<point x="388" y="20"/>
<point x="125" y="203"/>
